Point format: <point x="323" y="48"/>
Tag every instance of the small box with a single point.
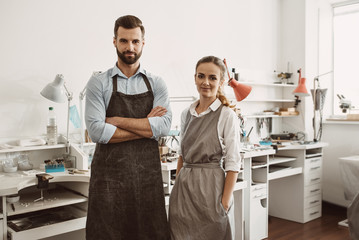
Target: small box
<point x="54" y="168"/>
<point x="353" y="117"/>
<point x="163" y="150"/>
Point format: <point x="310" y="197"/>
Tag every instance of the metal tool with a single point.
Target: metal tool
<point x="344" y="103"/>
<point x="43" y="183"/>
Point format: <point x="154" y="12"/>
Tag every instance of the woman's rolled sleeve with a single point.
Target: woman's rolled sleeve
<point x="231" y="141"/>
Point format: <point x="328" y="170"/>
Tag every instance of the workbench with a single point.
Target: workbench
<point x="66" y="197"/>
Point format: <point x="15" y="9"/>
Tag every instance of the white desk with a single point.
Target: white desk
<point x="299" y="197"/>
<point x="12" y="183"/>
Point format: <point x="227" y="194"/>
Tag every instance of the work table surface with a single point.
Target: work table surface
<point x="11" y="183"/>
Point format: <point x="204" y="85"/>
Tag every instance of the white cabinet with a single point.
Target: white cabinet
<point x="255" y="172"/>
<point x="63" y="207"/>
<point x="299" y="197"/>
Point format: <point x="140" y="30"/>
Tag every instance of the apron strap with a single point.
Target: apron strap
<point x="147" y="82"/>
<point x="114" y="84"/>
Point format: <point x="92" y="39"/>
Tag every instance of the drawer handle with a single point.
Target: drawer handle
<point x="258" y="188"/>
<point x="315" y="190"/>
<point x="313" y="213"/>
<point x="315" y="160"/>
<point x="314" y="179"/>
<point x="314" y="168"/>
<point x="258" y="196"/>
<point x="312" y="202"/>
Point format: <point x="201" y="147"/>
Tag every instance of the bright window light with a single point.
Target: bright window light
<point x="346" y="55"/>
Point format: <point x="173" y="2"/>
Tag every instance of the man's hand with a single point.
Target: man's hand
<point x="157" y="112"/>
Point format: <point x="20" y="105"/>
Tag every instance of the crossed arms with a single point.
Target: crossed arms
<point x="133" y="128"/>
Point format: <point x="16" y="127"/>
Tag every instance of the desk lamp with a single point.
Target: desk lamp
<point x="54" y="91"/>
<point x="301" y="89"/>
<point x="318" y="103"/>
<point x="241" y="91"/>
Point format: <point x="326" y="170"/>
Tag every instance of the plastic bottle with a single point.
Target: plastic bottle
<point x="51" y="133"/>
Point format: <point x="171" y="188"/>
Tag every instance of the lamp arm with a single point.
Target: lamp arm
<point x="316" y="79"/>
<point x="83" y="93"/>
<point x="68" y="93"/>
<point x="69" y="98"/>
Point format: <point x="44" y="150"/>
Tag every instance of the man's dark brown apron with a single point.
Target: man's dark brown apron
<point x="126" y="198"/>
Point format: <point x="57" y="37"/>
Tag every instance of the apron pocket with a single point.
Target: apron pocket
<point x="223" y="209"/>
<point x="229" y="209"/>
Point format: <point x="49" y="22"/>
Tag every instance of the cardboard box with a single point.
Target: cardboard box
<point x="353" y="117"/>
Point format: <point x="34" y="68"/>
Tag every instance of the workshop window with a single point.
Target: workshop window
<point x="346" y="55"/>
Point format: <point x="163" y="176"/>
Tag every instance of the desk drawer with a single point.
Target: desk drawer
<point x="32" y="226"/>
<point x="312" y="190"/>
<point x="312" y="213"/>
<point x="313" y="161"/>
<point x="312" y="201"/>
<point x="313" y="178"/>
<point x="259" y="191"/>
<point x="313" y="165"/>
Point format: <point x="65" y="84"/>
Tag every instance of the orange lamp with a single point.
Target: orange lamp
<point x="301" y="90"/>
<point x="241" y="91"/>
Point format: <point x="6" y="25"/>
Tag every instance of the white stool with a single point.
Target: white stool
<point x="349" y="171"/>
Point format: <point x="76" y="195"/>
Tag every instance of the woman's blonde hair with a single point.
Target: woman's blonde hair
<point x="218" y="62"/>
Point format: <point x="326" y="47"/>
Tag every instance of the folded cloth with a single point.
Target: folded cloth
<point x="31" y="142"/>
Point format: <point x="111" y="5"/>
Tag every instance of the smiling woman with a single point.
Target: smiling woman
<point x="208" y="127"/>
<point x="208" y="81"/>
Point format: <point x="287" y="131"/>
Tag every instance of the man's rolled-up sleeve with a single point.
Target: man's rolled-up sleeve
<point x="160" y="126"/>
<point x="95" y="113"/>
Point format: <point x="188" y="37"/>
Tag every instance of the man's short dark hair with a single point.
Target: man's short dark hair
<point x="129" y="22"/>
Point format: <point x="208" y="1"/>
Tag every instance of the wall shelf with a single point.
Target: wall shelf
<point x="270" y="84"/>
<point x="270" y="100"/>
<point x="32" y="148"/>
<point x="268" y="116"/>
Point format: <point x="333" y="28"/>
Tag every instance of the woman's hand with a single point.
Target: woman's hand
<point x="226" y="203"/>
<point x="231" y="179"/>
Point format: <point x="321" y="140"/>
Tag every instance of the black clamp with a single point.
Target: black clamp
<point x="43" y="180"/>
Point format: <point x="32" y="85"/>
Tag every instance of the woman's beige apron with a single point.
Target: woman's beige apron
<point x="196" y="211"/>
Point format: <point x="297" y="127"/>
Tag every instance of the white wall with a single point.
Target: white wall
<point x="41" y="38"/>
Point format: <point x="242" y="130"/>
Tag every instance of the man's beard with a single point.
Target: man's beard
<point x="128" y="60"/>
